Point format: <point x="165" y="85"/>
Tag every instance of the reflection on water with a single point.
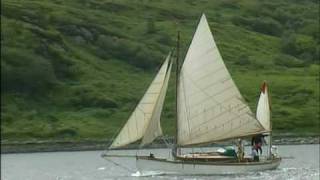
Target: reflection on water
<point x="300" y="162"/>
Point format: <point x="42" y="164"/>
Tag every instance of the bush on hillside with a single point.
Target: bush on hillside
<point x="267" y="26"/>
<point x="232" y="4"/>
<point x="130" y="51"/>
<point x="263" y="25"/>
<point x="165" y="39"/>
<point x="57" y="56"/>
<point x="66" y="133"/>
<point x="300" y="46"/>
<point x="84" y="96"/>
<point x="25" y="72"/>
<point x="288" y="61"/>
<point x="311" y="30"/>
<point x="298" y="96"/>
<point x="243" y="60"/>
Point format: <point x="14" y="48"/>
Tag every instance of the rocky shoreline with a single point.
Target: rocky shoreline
<point x="55" y="146"/>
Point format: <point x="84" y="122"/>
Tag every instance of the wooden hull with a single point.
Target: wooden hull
<point x="165" y="166"/>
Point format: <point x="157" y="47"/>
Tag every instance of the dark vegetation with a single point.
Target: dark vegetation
<point x="76" y="69"/>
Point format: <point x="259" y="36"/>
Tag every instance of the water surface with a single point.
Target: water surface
<point x="301" y="162"/>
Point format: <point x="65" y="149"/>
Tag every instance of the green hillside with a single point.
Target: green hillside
<point x="74" y="70"/>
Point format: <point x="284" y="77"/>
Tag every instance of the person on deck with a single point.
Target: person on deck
<point x="254" y="154"/>
<point x="257" y="142"/>
<point x="240" y="152"/>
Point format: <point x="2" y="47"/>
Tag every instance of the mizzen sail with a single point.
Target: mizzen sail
<point x="146" y="116"/>
<point x="210" y="107"/>
<point x="263" y="108"/>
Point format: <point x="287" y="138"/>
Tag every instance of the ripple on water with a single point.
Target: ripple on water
<point x="146" y="174"/>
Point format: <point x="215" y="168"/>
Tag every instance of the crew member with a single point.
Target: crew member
<point x="257" y="142"/>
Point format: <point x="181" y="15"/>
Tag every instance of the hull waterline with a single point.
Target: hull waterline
<point x="164" y="166"/>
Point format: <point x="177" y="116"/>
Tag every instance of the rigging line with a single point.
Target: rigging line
<point x="121" y="166"/>
<point x="165" y="142"/>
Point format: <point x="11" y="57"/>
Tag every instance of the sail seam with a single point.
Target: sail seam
<point x="217" y="138"/>
<point x="211" y="97"/>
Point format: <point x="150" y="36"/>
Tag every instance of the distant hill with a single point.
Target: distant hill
<point x="75" y="70"/>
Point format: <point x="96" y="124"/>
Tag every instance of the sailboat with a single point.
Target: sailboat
<point x="209" y="108"/>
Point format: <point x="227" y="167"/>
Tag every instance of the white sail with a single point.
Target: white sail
<point x="139" y="120"/>
<point x="154" y="129"/>
<point x="263" y="108"/>
<point x="210" y="107"/>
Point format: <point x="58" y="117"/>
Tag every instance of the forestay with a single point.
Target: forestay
<point x="210" y="107"/>
<point x="145" y="120"/>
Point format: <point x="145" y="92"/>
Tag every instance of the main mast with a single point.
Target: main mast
<point x="175" y="148"/>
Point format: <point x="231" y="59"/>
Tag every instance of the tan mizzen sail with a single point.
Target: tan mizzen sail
<point x="146" y="116"/>
<point x="210" y="107"/>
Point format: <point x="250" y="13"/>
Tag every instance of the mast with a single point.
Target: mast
<point x="175" y="148"/>
<point x="270" y="134"/>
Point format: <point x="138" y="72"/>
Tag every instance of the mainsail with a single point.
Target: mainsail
<point x="263" y="108"/>
<point x="144" y="122"/>
<point x="210" y="107"/>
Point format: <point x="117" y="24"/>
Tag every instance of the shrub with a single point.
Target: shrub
<point x="267" y="26"/>
<point x="61" y="63"/>
<point x="288" y="61"/>
<point x="25" y="72"/>
<point x="165" y="39"/>
<point x="263" y="25"/>
<point x="300" y="46"/>
<point x="232" y="4"/>
<point x="243" y="60"/>
<point x="65" y="133"/>
<point x="130" y="51"/>
<point x="85" y="97"/>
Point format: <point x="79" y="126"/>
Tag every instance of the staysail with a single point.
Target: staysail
<point x="144" y="122"/>
<point x="154" y="129"/>
<point x="263" y="108"/>
<point x="210" y="107"/>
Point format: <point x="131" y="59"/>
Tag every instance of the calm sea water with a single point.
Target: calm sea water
<point x="301" y="162"/>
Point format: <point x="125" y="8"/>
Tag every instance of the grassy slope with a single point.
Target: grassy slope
<point x="76" y="69"/>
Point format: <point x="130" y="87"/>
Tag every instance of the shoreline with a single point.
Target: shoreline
<point x="62" y="146"/>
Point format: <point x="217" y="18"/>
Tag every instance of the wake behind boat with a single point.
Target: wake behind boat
<point x="209" y="108"/>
